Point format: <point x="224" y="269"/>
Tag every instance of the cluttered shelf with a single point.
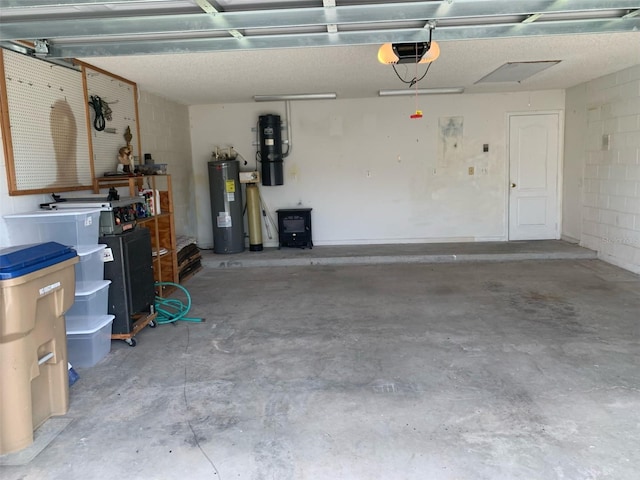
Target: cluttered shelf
<point x="124" y="180"/>
<point x="160" y="222"/>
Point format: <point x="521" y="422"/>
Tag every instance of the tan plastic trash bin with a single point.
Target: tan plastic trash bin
<point x="37" y="286"/>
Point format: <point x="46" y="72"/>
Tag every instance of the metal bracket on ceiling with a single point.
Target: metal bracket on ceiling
<point x="328" y="4"/>
<point x="41" y="48"/>
<point x="431" y="25"/>
<point x="210" y="9"/>
<point x="207" y="7"/>
<point x="532" y="18"/>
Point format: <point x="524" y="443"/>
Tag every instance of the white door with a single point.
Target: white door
<point x="533" y="176"/>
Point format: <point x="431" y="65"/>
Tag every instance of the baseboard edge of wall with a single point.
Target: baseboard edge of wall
<point x="618" y="262"/>
<point x="569" y="239"/>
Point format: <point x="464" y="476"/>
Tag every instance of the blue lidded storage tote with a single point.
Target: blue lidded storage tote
<point x="23" y="259"/>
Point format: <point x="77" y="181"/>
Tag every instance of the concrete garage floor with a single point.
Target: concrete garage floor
<point x="475" y="370"/>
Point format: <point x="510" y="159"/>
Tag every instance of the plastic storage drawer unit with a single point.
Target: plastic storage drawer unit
<point x="91" y="299"/>
<point x="69" y="226"/>
<point x="88" y="347"/>
<point x="36" y="289"/>
<point x="91" y="265"/>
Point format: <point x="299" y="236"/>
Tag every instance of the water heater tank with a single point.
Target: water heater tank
<point x="226" y="206"/>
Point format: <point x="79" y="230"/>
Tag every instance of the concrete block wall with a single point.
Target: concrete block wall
<point x="611" y="168"/>
<point x="164" y="133"/>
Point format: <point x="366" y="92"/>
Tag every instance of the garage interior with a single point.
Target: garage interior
<point x="431" y="332"/>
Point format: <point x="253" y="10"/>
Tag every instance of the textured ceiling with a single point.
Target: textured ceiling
<point x="214" y="51"/>
<point x="354" y="72"/>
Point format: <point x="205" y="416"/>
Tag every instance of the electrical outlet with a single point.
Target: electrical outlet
<point x="472" y="171"/>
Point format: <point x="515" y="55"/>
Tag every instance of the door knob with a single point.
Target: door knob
<point x="513" y="185"/>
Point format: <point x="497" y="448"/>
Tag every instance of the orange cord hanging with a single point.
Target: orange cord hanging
<point x="418" y="113"/>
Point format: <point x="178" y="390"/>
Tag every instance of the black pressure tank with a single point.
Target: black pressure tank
<point x="270" y="149"/>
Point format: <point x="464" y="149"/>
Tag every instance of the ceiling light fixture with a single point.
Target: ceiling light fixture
<point x="297" y="96"/>
<point x="396" y="53"/>
<point x="420" y="52"/>
<point x="421" y="91"/>
<point x="414" y="53"/>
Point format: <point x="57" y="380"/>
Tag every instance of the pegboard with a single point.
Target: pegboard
<point x="120" y="95"/>
<point x="47" y="124"/>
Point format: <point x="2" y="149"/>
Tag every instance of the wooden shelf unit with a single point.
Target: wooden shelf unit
<point x="161" y="226"/>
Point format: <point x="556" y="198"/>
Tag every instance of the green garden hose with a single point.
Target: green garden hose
<point x="172" y="310"/>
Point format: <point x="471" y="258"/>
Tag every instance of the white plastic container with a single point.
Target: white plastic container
<point x="85" y="348"/>
<point x="81" y="323"/>
<point x="90" y="268"/>
<point x="69" y="227"/>
<point x="91" y="299"/>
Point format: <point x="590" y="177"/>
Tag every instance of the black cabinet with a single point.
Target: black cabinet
<point x="132" y="289"/>
<point x="294" y="227"/>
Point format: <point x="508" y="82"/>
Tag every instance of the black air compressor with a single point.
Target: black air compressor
<point x="270" y="149"/>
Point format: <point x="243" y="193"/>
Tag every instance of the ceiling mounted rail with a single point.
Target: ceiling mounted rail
<point x="457" y="7"/>
<point x="88" y="28"/>
<point x="192" y="45"/>
<point x="85" y="19"/>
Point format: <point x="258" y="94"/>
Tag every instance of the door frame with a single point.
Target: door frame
<point x="507" y="166"/>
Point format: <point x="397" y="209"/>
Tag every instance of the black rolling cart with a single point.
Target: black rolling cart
<point x="294" y="227"/>
<point x="132" y="290"/>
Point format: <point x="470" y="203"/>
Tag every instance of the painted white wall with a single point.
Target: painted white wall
<point x="372" y="174"/>
<point x="609" y="106"/>
<point x="574" y="155"/>
<point x="164" y="133"/>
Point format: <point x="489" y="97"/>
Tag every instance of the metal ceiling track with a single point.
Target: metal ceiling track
<point x="87" y="28"/>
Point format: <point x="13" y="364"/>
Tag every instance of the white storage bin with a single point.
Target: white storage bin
<point x="69" y="226"/>
<point x="91" y="266"/>
<point x="91" y="299"/>
<point x="85" y="348"/>
<point x="81" y="323"/>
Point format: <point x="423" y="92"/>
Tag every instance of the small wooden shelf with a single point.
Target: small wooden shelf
<point x="161" y="226"/>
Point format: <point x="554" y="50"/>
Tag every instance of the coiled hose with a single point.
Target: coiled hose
<point x="171" y="310"/>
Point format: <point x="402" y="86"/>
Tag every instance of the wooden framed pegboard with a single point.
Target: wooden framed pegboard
<point x="44" y="127"/>
<point x="121" y="95"/>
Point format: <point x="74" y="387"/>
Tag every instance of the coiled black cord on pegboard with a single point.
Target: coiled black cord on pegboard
<point x="98" y="121"/>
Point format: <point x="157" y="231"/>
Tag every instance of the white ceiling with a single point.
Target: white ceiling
<point x="224" y="51"/>
<point x="354" y="72"/>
